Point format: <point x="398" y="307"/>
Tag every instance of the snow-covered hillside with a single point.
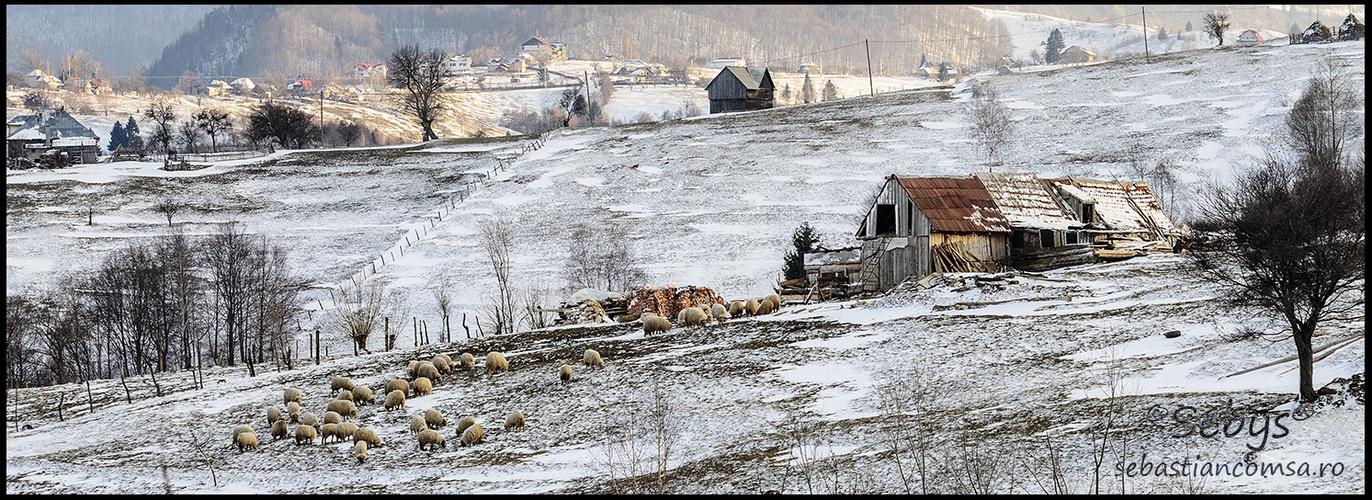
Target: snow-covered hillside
<point x="710" y="201"/>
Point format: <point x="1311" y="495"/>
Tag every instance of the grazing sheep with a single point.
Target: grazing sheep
<point x="443" y="363"/>
<point x="496" y="361"/>
<point x="333" y="417"/>
<point x="246" y="440"/>
<point x="565" y="373"/>
<point x="346" y="395"/>
<point x="410" y="370"/>
<point x="360" y="451"/>
<point x="309" y="418"/>
<point x="431" y="438"/>
<point x="328" y="431"/>
<point x="238" y="431"/>
<point x="304" y="433"/>
<point x="346" y="430"/>
<point x="396" y="384"/>
<point x="428" y="370"/>
<point x="292" y="394"/>
<point x="434" y="418"/>
<point x="273" y="415"/>
<point x="279" y="430"/>
<point x="472" y="435"/>
<point x="769" y="304"/>
<point x="514" y="421"/>
<point x="692" y="316"/>
<point x="467" y="361"/>
<point x="422" y="386"/>
<point x="395" y="399"/>
<point x="720" y="314"/>
<point x="340" y="383"/>
<point x="362" y="395"/>
<point x="293" y="409"/>
<point x="417" y="424"/>
<point x="751" y="306"/>
<point x="342" y="407"/>
<point x="736" y="308"/>
<point x="463" y="423"/>
<point x="368" y="436"/>
<point x="592" y="358"/>
<point x="653" y="323"/>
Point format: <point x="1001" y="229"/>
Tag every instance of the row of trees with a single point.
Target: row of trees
<point x="177" y="302"/>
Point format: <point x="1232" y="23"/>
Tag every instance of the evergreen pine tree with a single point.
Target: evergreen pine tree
<point x="803" y="240"/>
<point x="830" y="91"/>
<point x="1188" y="26"/>
<point x="807" y="91"/>
<point x="943" y="72"/>
<point x="786" y="93"/>
<point x="118" y="137"/>
<point x="134" y="140"/>
<point x="1053" y="53"/>
<point x="1162" y="34"/>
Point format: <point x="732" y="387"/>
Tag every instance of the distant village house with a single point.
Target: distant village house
<point x="32" y="136"/>
<point x="539" y="46"/>
<point x="741" y="89"/>
<point x="1077" y="54"/>
<point x="1250" y="36"/>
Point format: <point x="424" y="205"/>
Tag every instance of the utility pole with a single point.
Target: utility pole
<point x="1146" y="59"/>
<point x="321" y="117"/>
<point x="587" y="75"/>
<point x="871" y="89"/>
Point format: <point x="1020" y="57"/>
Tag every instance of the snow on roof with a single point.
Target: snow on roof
<point x="850" y="255"/>
<point x="35" y="127"/>
<point x="1114" y="208"/>
<point x="1025" y="200"/>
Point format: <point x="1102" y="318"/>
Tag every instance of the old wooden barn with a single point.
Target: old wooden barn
<point x="736" y="88"/>
<point x="923" y="225"/>
<point x="1044" y="232"/>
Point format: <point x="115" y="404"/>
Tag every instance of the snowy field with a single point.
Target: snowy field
<point x="709" y="201"/>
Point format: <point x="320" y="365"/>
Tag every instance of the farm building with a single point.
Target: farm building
<point x="32" y="136"/>
<point x="1077" y="54"/>
<point x="922" y="225"/>
<point x="1250" y="36"/>
<point x="836" y="268"/>
<point x="1117" y="208"/>
<point x="736" y="88"/>
<point x="1044" y="233"/>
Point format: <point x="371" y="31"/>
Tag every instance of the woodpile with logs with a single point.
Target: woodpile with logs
<point x="668" y="301"/>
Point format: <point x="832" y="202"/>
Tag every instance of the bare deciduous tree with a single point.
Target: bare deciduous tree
<point x="602" y="259"/>
<point x="1215" y="24"/>
<point x="498" y="244"/>
<point x="419" y="76"/>
<point x="359" y="311"/>
<point x="990" y="121"/>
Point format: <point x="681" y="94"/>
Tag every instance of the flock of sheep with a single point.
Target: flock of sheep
<point x="423" y="375"/>
<point x="702" y="315"/>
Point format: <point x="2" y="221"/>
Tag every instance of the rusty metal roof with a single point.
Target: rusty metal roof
<point x="955" y="204"/>
<point x="1026" y="201"/>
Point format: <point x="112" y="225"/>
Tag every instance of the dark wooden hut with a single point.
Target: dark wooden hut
<point x="736" y="88"/>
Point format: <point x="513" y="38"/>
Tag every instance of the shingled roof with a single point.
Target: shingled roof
<point x="35" y="127"/>
<point x="1026" y="201"/>
<point x="953" y="204"/>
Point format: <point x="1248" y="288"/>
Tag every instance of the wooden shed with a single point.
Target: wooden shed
<point x="736" y="88"/>
<point x="1044" y="232"/>
<point x="923" y="225"/>
<point x="1118" y="208"/>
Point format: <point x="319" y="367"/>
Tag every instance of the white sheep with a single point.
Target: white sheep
<point x="422" y="386"/>
<point x="720" y="314"/>
<point x="736" y="309"/>
<point x="472" y="435"/>
<point x="360" y="451"/>
<point x="653" y="323"/>
<point x="340" y="383"/>
<point x="293" y="410"/>
<point x="368" y="436"/>
<point x="751" y="306"/>
<point x="434" y="418"/>
<point x="396" y="384"/>
<point x="496" y="361"/>
<point x="692" y="316"/>
<point x="514" y="421"/>
<point x="305" y="433"/>
<point x="431" y="438"/>
<point x="362" y="395"/>
<point x="565" y="373"/>
<point x="769" y="304"/>
<point x="346" y="395"/>
<point x="463" y="423"/>
<point x="279" y="430"/>
<point x="328" y="431"/>
<point x="395" y="399"/>
<point x="273" y="415"/>
<point x="238" y="431"/>
<point x="443" y="363"/>
<point x="309" y="418"/>
<point x="429" y="371"/>
<point x="467" y="361"/>
<point x="333" y="417"/>
<point x="291" y="394"/>
<point x="246" y="440"/>
<point x="342" y="407"/>
<point x="346" y="430"/>
<point x="410" y="370"/>
<point x="592" y="358"/>
<point x="417" y="423"/>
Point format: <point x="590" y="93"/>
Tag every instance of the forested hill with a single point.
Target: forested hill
<point x="320" y="41"/>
